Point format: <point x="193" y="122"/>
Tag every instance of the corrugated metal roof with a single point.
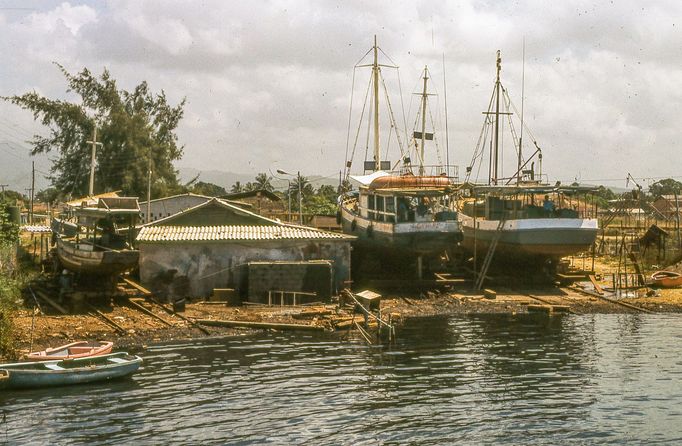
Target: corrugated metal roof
<point x="236" y="232"/>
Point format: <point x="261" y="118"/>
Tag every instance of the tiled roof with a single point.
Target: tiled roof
<point x="236" y="232"/>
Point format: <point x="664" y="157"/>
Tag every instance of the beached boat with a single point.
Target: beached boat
<point x="97" y="240"/>
<point x="519" y="218"/>
<point x="73" y="350"/>
<point x="666" y="279"/>
<point x="411" y="210"/>
<point x="32" y="375"/>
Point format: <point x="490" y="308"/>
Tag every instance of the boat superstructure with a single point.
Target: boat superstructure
<point x="95" y="237"/>
<point x="408" y="209"/>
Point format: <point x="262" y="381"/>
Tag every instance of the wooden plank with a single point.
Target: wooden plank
<point x="51" y="302"/>
<point x="597" y="287"/>
<point x="261" y="325"/>
<point x="137" y="286"/>
<point x="170" y="311"/>
<point x="623" y="304"/>
<point x="545" y="301"/>
<point x="149" y="312"/>
<point x="106" y="319"/>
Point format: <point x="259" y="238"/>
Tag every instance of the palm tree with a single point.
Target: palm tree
<point x="263" y="181"/>
<point x="237" y="187"/>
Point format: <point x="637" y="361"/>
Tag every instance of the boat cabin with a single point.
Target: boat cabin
<point x="519" y="203"/>
<point x="406" y="199"/>
<point x="109" y="225"/>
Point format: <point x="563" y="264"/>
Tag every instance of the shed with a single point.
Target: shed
<point x="206" y="246"/>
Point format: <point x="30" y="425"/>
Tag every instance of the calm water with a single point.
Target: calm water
<point x="495" y="379"/>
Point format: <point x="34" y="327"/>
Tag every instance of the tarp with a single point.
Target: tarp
<point x="366" y="180"/>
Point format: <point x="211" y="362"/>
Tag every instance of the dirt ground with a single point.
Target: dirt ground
<point x="133" y="328"/>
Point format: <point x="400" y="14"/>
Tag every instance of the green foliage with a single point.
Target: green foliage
<point x="12" y="197"/>
<point x="132" y="125"/>
<point x="263" y="181"/>
<point x="319" y="205"/>
<point x="9" y="231"/>
<point x="209" y="189"/>
<point x="50" y="195"/>
<point x="665" y="187"/>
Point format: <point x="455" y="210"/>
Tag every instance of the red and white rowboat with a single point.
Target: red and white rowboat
<point x="666" y="279"/>
<point x="74" y="350"/>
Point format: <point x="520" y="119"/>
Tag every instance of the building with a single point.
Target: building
<point x="262" y="201"/>
<point x="168" y="206"/>
<point x="211" y="244"/>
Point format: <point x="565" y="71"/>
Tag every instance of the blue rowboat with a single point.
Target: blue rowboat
<point x="33" y="375"/>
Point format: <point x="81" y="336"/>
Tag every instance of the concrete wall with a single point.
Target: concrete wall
<point x="169" y="206"/>
<point x="216" y="264"/>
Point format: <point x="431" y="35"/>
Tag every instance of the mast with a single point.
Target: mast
<point x="423" y="135"/>
<point x="375" y="74"/>
<point x="497" y="118"/>
<point x="523" y="94"/>
<point x="91" y="188"/>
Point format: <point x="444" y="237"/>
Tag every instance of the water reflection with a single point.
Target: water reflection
<point x="484" y="379"/>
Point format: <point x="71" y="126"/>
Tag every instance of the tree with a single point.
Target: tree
<point x="209" y="189"/>
<point x="328" y="192"/>
<point x="237" y="187"/>
<point x="305" y="187"/>
<point x="132" y="126"/>
<point x="263" y="181"/>
<point x="50" y="195"/>
<point x="665" y="187"/>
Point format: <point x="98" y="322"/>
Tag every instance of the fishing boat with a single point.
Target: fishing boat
<point x="80" y="349"/>
<point x="666" y="279"/>
<point x="409" y="211"/>
<point x="96" y="235"/>
<point x="38" y="374"/>
<point x="521" y="218"/>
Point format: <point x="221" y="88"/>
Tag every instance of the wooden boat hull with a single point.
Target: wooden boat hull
<point x="32" y="375"/>
<point x="82" y="349"/>
<point x="666" y="279"/>
<point x="420" y="238"/>
<point x="546" y="238"/>
<point x="104" y="263"/>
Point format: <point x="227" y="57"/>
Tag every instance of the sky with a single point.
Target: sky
<point x="268" y="84"/>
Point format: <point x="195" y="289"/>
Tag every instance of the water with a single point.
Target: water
<point x="471" y="380"/>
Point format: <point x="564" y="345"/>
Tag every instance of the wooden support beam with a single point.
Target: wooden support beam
<point x="137" y="286"/>
<point x="597" y="287"/>
<point x="148" y="312"/>
<point x="106" y="318"/>
<point x="51" y="302"/>
<point x="262" y="325"/>
<point x="623" y="304"/>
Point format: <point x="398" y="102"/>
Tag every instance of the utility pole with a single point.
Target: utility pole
<point x="33" y="186"/>
<point x="91" y="189"/>
<point x="300" y="199"/>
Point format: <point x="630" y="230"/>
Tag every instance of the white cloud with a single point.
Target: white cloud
<point x="268" y="82"/>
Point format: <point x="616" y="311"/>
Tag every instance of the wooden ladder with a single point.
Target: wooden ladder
<point x="489" y="255"/>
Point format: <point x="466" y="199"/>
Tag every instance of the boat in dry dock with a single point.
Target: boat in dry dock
<point x="410" y="210"/>
<point x="96" y="236"/>
<point x="520" y="218"/>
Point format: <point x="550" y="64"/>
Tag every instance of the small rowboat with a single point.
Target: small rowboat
<point x="74" y="350"/>
<point x="666" y="279"/>
<point x="33" y="375"/>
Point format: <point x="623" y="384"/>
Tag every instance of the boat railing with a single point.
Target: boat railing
<point x="434" y="170"/>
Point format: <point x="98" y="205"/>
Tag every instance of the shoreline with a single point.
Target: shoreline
<point x="140" y="329"/>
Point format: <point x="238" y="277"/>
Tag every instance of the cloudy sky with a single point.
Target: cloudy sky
<point x="268" y="84"/>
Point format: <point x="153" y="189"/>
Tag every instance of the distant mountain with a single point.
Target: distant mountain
<point x="227" y="179"/>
